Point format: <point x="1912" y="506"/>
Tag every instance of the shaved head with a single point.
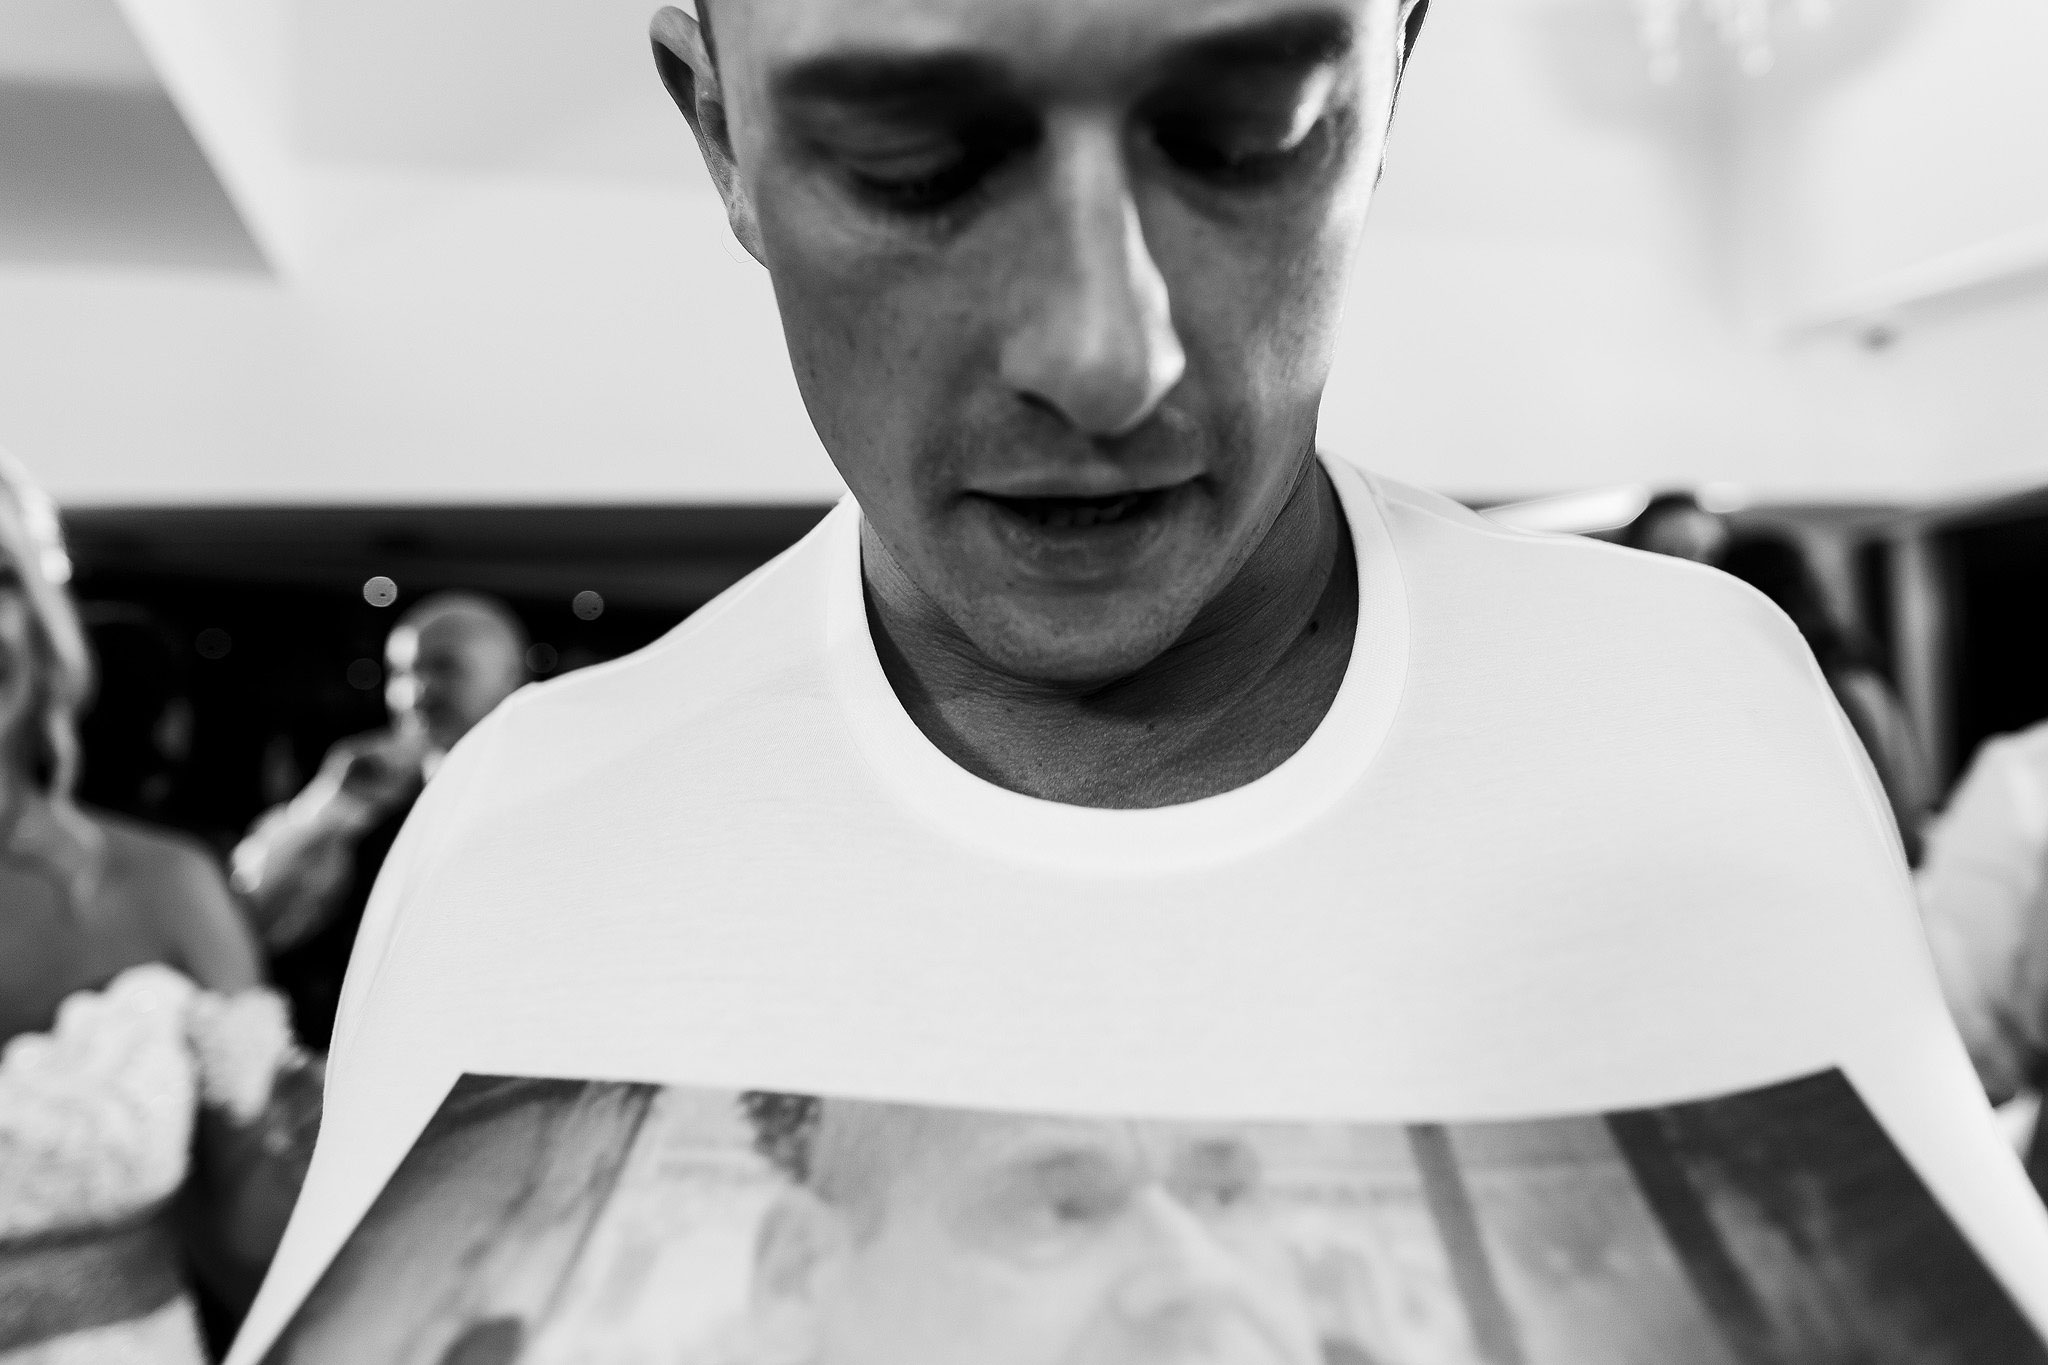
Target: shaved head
<point x="465" y="614"/>
<point x="453" y="657"/>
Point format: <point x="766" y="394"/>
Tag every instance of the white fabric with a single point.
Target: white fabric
<point x="169" y="1336"/>
<point x="1583" y="830"/>
<point x="1981" y="883"/>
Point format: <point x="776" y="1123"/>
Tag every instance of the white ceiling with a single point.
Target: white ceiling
<point x="70" y="42"/>
<point x="108" y="175"/>
<point x="370" y="249"/>
<point x="500" y="86"/>
<point x="96" y="165"/>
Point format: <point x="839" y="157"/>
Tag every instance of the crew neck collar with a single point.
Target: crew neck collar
<point x="995" y="821"/>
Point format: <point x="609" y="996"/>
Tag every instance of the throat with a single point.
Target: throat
<point x="1237" y="696"/>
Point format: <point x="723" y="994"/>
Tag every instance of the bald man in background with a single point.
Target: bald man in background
<point x="306" y="868"/>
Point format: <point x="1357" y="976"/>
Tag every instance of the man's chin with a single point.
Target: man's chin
<point x="1076" y="649"/>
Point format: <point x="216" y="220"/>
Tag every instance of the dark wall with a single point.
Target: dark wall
<point x="1998" y="571"/>
<point x="238" y="643"/>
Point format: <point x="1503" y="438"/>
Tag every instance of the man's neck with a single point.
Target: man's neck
<point x="1240" y="691"/>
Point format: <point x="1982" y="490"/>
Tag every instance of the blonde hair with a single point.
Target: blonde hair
<point x="61" y="669"/>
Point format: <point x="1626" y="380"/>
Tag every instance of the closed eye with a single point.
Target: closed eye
<point x="1250" y="136"/>
<point x="1235" y="158"/>
<point x="922" y="179"/>
<point x="916" y="170"/>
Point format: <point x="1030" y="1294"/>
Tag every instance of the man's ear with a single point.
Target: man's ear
<point x="798" y="1252"/>
<point x="687" y="68"/>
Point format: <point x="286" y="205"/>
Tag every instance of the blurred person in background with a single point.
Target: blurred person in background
<point x="1776" y="566"/>
<point x="1675" y="524"/>
<point x="155" y="1113"/>
<point x="1984" y="898"/>
<point x="306" y="869"/>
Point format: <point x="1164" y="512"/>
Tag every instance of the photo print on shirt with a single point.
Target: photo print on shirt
<point x="553" y="1221"/>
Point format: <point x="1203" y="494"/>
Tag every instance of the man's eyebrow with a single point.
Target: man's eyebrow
<point x="876" y="77"/>
<point x="1303" y="39"/>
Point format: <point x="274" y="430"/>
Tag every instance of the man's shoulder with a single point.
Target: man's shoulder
<point x="1456" y="527"/>
<point x="768" y="623"/>
<point x="1622" y="669"/>
<point x="1560" y="579"/>
<point x="1664" y="655"/>
<point x="761" y="640"/>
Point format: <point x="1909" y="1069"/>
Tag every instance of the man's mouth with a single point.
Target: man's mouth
<point x="1082" y="514"/>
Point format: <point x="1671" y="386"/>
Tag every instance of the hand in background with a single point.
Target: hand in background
<point x="294" y="868"/>
<point x="374" y="771"/>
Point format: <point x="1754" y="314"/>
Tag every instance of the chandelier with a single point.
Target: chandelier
<point x="1744" y="25"/>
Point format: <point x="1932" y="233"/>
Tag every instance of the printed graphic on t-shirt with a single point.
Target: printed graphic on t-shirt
<point x="553" y="1221"/>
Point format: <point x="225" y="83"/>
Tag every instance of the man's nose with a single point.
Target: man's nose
<point x="1094" y="337"/>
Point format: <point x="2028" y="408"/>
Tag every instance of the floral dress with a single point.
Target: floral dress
<point x="100" y="1119"/>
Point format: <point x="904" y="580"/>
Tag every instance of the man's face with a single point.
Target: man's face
<point x="1060" y="280"/>
<point x="447" y="675"/>
<point x="1021" y="1241"/>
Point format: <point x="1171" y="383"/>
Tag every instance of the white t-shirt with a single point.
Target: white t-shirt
<point x="1584" y="832"/>
<point x="1983" y="882"/>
